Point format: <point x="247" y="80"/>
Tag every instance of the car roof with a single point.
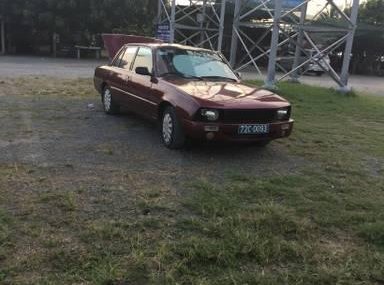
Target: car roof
<point x="160" y="45"/>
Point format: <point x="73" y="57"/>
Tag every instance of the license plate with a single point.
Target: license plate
<point x="253" y="129"/>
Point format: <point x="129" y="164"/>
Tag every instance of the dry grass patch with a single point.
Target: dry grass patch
<point x="66" y="223"/>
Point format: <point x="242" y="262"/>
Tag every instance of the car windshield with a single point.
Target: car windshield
<point x="196" y="64"/>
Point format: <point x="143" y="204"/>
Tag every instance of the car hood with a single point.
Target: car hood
<point x="226" y="93"/>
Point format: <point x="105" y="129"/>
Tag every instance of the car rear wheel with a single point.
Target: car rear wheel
<point x="171" y="130"/>
<point x="110" y="106"/>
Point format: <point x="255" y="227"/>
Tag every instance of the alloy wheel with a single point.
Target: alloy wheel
<point x="167" y="128"/>
<point x="107" y="99"/>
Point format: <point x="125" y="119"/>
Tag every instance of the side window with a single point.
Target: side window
<point x="144" y="58"/>
<point x="116" y="61"/>
<point x="128" y="57"/>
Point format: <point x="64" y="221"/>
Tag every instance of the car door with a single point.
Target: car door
<point x="123" y="79"/>
<point x="114" y="76"/>
<point x="141" y="85"/>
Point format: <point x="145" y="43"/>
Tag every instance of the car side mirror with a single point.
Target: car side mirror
<point x="143" y="71"/>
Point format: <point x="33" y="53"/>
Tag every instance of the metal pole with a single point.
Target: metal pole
<point x="236" y="20"/>
<point x="303" y="13"/>
<point x="172" y="23"/>
<point x="159" y="9"/>
<point x="221" y="27"/>
<point x="202" y="21"/>
<point x="348" y="49"/>
<point x="2" y="32"/>
<point x="270" y="80"/>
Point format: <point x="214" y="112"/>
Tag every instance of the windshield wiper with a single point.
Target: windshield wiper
<point x="219" y="77"/>
<point x="192" y="76"/>
<point x="187" y="76"/>
<point x="170" y="73"/>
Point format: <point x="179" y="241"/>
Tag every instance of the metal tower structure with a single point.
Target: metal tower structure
<point x="195" y="22"/>
<point x="262" y="30"/>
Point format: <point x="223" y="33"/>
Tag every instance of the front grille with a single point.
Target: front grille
<point x="248" y="116"/>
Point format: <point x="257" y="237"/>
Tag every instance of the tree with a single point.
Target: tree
<point x="372" y="12"/>
<point x="31" y="23"/>
<point x="368" y="48"/>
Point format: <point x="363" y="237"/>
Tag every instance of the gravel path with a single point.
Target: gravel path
<point x="373" y="85"/>
<point x="15" y="66"/>
<point x="11" y="66"/>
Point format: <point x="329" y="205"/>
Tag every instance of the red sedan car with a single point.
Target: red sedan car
<point x="193" y="93"/>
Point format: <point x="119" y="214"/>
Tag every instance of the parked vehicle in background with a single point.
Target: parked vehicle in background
<point x="193" y="93"/>
<point x="318" y="68"/>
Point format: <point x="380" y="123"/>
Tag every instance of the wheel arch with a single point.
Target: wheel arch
<point x="103" y="85"/>
<point x="161" y="108"/>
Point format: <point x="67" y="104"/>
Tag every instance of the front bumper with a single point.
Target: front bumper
<point x="229" y="132"/>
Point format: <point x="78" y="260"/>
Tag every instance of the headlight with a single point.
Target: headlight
<point x="210" y="114"/>
<point x="283" y="114"/>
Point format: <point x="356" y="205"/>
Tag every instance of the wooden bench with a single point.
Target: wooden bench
<point x="96" y="49"/>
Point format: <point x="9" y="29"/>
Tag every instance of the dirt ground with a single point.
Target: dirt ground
<point x="47" y="128"/>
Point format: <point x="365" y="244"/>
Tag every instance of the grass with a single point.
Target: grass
<point x="320" y="224"/>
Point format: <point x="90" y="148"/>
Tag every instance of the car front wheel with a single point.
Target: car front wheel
<point x="110" y="106"/>
<point x="171" y="130"/>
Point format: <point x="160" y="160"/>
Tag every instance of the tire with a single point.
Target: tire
<point x="109" y="104"/>
<point x="319" y="73"/>
<point x="172" y="134"/>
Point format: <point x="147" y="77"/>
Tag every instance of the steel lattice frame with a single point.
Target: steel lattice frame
<point x="284" y="24"/>
<point x="201" y="23"/>
<point x="291" y="25"/>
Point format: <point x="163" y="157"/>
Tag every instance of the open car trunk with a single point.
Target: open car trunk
<point x="113" y="42"/>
